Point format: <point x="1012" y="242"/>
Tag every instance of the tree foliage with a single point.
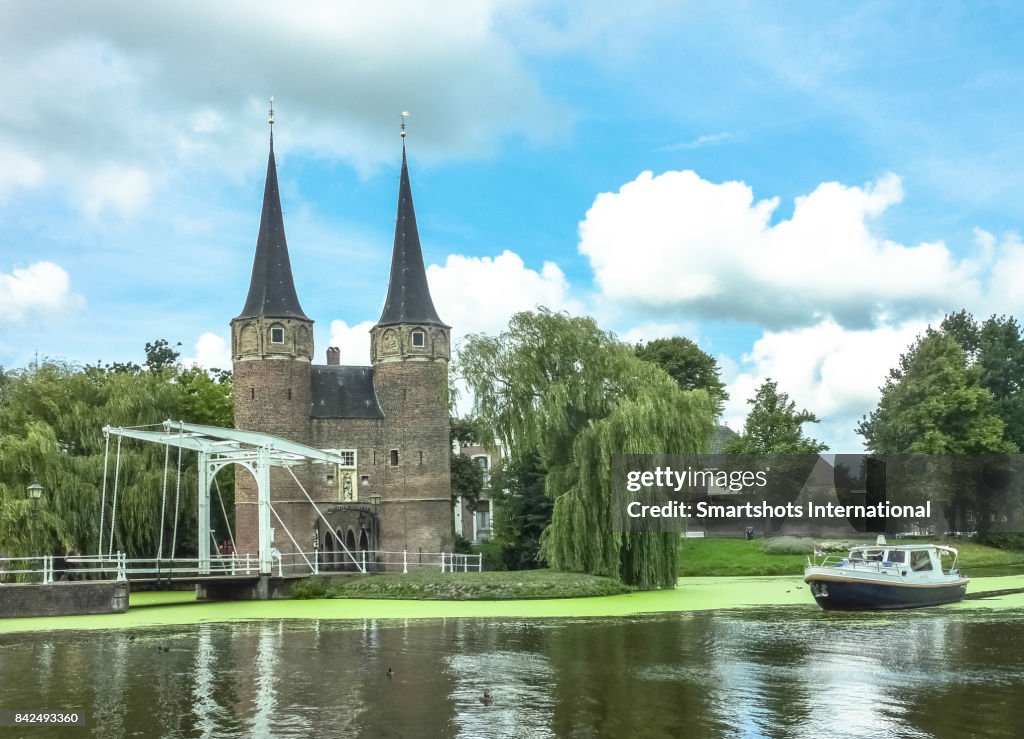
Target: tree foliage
<point x="940" y="402"/>
<point x="522" y="510"/>
<point x="467" y="480"/>
<point x="563" y="388"/>
<point x="994" y="351"/>
<point x="688" y="365"/>
<point x="933" y="403"/>
<point x="775" y="426"/>
<point x="467" y="477"/>
<point x="51" y="419"/>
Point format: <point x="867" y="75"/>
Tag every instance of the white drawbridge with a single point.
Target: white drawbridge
<point x="217" y="448"/>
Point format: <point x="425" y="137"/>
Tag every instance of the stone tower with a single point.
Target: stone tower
<point x="409" y="348"/>
<point x="271" y="350"/>
<point x="393" y="414"/>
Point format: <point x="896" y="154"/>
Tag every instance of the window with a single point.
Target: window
<point x="482" y="520"/>
<point x="920" y="561"/>
<point x="419" y="339"/>
<point x="483" y="461"/>
<point x="277" y="335"/>
<point x="394" y="457"/>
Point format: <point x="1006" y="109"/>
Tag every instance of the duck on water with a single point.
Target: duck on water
<point x="884" y="576"/>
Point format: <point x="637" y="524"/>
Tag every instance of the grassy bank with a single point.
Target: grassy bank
<point x="731" y="557"/>
<point x="525" y="585"/>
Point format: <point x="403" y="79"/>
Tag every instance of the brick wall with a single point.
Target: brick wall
<point x="272" y="395"/>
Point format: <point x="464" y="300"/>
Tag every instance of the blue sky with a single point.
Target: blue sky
<point x="800" y="187"/>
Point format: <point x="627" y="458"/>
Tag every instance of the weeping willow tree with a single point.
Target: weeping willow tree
<point x="51" y="420"/>
<point x="563" y="388"/>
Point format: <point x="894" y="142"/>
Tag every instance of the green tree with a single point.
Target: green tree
<point x="51" y="420"/>
<point x="775" y="426"/>
<point x="688" y="365"/>
<point x="160" y="355"/>
<point x="933" y="403"/>
<point x="994" y="351"/>
<point x="467" y="477"/>
<point x="467" y="481"/>
<point x="563" y="388"/>
<point x="522" y="510"/>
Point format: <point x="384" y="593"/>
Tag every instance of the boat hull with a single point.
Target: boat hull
<point x="836" y="593"/>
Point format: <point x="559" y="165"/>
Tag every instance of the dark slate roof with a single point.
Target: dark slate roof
<point x="343" y="392"/>
<point x="720" y="438"/>
<point x="271" y="289"/>
<point x="408" y="298"/>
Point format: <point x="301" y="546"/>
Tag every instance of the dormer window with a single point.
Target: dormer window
<point x="277" y="335"/>
<point x="419" y="339"/>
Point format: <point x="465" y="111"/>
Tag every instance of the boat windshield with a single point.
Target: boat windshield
<point x="920" y="560"/>
<point x="866" y="555"/>
<point x="896" y="556"/>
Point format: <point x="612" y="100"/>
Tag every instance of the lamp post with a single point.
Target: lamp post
<point x="35" y="492"/>
<point x="375" y="501"/>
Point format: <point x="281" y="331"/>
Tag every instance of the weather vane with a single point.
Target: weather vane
<point x="405" y="114"/>
<point x="270" y="116"/>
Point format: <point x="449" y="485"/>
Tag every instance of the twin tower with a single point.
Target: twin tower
<point x="394" y="413"/>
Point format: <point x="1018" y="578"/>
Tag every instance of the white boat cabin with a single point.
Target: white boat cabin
<point x="908" y="558"/>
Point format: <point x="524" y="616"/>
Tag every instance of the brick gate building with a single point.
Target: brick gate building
<point x="394" y="413"/>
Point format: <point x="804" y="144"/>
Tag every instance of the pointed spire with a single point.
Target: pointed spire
<point x="408" y="298"/>
<point x="271" y="289"/>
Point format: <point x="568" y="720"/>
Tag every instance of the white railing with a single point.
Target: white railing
<point x="375" y="560"/>
<point x="14" y="566"/>
<point x="871" y="565"/>
<point x="120" y="567"/>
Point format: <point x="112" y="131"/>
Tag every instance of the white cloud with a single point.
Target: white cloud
<point x="42" y="287"/>
<point x="678" y="242"/>
<point x="833" y="372"/>
<point x="123" y="189"/>
<point x="186" y="85"/>
<point x="1006" y="284"/>
<point x="212" y="351"/>
<point x="17" y="171"/>
<point x="707" y="139"/>
<point x="472" y="294"/>
<point x="354" y="341"/>
<point x="480" y="294"/>
<point x="644" y="332"/>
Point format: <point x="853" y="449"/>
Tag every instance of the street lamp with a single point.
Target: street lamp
<point x="375" y="501"/>
<point x="35" y="492"/>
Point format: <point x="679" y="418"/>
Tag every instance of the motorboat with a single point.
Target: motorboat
<point x="884" y="576"/>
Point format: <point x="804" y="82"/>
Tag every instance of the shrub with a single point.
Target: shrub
<point x="1013" y="540"/>
<point x="789" y="545"/>
<point x="310" y="588"/>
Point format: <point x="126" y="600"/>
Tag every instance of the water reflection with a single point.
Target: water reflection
<point x="783" y="672"/>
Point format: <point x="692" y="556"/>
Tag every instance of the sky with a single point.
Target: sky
<point x="800" y="188"/>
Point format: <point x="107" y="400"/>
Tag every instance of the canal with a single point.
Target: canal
<point x="788" y="671"/>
